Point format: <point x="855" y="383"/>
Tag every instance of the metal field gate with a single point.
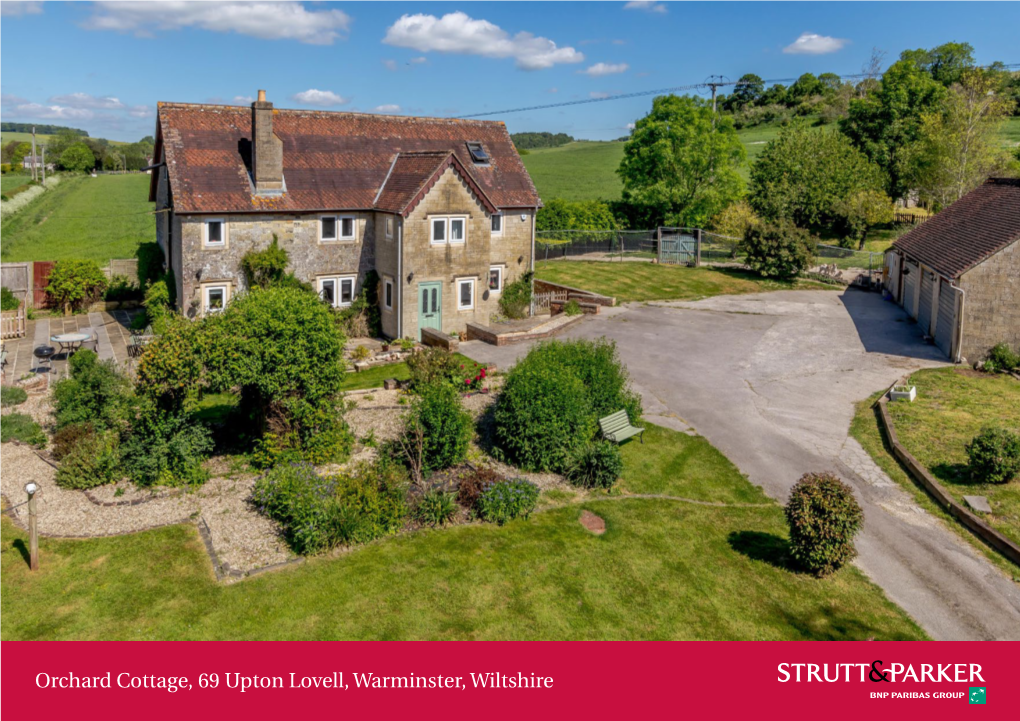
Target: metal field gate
<point x="678" y="246"/>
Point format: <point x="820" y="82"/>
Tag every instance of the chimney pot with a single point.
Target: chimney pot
<point x="262" y="96"/>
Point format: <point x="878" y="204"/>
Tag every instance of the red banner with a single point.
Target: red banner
<point x="509" y="680"/>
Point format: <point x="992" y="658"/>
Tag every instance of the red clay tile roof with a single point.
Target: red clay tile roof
<point x="331" y="161"/>
<point x="413" y="175"/>
<point x="978" y="225"/>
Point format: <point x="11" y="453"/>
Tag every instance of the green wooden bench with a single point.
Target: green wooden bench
<point x="617" y="428"/>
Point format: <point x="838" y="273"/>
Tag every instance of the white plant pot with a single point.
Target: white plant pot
<point x="903" y="393"/>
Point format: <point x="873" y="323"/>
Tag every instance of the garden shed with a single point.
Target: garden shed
<point x="958" y="274"/>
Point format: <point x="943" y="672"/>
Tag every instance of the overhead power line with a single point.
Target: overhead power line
<point x="662" y="91"/>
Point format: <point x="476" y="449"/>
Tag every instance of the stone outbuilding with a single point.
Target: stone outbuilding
<point x="442" y="210"/>
<point x="958" y="274"/>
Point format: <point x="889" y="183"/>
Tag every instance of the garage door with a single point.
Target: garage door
<point x="924" y="308"/>
<point x="909" y="284"/>
<point x="946" y="325"/>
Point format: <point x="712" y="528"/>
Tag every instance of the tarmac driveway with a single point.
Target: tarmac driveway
<point x="771" y="380"/>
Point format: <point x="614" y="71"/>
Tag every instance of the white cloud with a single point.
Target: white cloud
<point x="6" y="99"/>
<point x="649" y="7"/>
<point x="554" y="90"/>
<point x="17" y="9"/>
<point x="265" y="20"/>
<point x="814" y="44"/>
<point x="630" y="126"/>
<point x="243" y="99"/>
<point x="84" y="100"/>
<point x="38" y="111"/>
<point x="387" y="108"/>
<point x="599" y="69"/>
<point x="322" y="98"/>
<point x="390" y="65"/>
<point x="598" y="95"/>
<point x="419" y="60"/>
<point x="458" y="33"/>
<point x="141" y="111"/>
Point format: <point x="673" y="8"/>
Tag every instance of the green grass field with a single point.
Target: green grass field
<point x="664" y="570"/>
<point x="10" y="137"/>
<point x="10" y="182"/>
<point x="82" y="217"/>
<point x="647" y="281"/>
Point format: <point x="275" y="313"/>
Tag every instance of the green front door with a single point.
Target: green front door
<point x="430" y="306"/>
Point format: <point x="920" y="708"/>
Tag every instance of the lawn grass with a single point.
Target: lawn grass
<point x="374" y="377"/>
<point x="10" y="136"/>
<point x="647" y="281"/>
<point x="83" y="217"/>
<point x="952" y="406"/>
<point x="866" y="429"/>
<point x="10" y="182"/>
<point x="664" y="570"/>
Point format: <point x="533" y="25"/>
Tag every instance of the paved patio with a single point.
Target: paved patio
<point x="111" y="328"/>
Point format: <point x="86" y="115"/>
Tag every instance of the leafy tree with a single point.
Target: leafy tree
<point x="735" y="219"/>
<point x="78" y="158"/>
<point x="530" y="141"/>
<point x="829" y="83"/>
<point x="682" y="162"/>
<point x="803" y="173"/>
<point x="265" y="267"/>
<point x="778" y="249"/>
<point x="73" y="283"/>
<point x="958" y="146"/>
<point x="885" y="122"/>
<point x="18" y="153"/>
<point x="863" y="210"/>
<point x="806" y="86"/>
<point x="945" y="63"/>
<point x="559" y="214"/>
<point x="775" y="95"/>
<point x="748" y="91"/>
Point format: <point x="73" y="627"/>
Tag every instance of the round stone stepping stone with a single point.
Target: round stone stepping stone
<point x="593" y="523"/>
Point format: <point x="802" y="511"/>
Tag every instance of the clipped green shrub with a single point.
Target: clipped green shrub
<point x="436" y="508"/>
<point x="166" y="449"/>
<point x="542" y="416"/>
<point x="93" y="461"/>
<point x="8" y="301"/>
<point x="596" y="465"/>
<point x="75" y="283"/>
<point x="21" y="427"/>
<point x="67" y="438"/>
<point x="823" y="517"/>
<point x="96" y="392"/>
<point x="318" y="512"/>
<point x="445" y="427"/>
<point x="430" y="366"/>
<point x="994" y="455"/>
<point x="507" y="500"/>
<point x="778" y="249"/>
<point x="12" y="396"/>
<point x="1002" y="358"/>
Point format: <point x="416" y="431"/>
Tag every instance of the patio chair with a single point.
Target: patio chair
<point x="92" y="343"/>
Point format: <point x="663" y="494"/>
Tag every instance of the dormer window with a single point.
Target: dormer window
<point x="478" y="154"/>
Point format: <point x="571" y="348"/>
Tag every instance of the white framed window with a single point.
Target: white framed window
<point x="466" y="294"/>
<point x="497" y="224"/>
<point x="458" y="230"/>
<point x="388" y="294"/>
<point x="390" y="224"/>
<point x="214" y="298"/>
<point x="338" y="291"/>
<point x="496" y="279"/>
<point x="448" y="229"/>
<point x="438" y="234"/>
<point x="214" y="233"/>
<point x="336" y="227"/>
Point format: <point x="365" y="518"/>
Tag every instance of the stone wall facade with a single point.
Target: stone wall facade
<point x="991" y="306"/>
<point x="406" y="252"/>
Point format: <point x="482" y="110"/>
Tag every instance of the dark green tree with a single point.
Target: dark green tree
<point x="945" y="63"/>
<point x="78" y="158"/>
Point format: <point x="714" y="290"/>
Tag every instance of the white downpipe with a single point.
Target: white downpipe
<point x="959" y="325"/>
<point x="400" y="279"/>
<point x="534" y="219"/>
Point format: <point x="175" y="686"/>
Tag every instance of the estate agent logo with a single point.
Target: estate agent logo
<point x="977" y="694"/>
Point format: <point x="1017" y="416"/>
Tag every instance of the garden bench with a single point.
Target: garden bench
<point x="617" y="428"/>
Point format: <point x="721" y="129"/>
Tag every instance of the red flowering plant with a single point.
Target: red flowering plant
<point x="473" y="378"/>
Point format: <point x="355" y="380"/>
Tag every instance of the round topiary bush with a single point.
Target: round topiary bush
<point x="542" y="417"/>
<point x="823" y="516"/>
<point x="780" y="250"/>
<point x="596" y="465"/>
<point x="994" y="455"/>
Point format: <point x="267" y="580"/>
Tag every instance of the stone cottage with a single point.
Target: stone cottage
<point x="958" y="274"/>
<point x="442" y="209"/>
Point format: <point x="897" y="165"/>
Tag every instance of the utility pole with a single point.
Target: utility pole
<point x="43" y="149"/>
<point x="34" y="175"/>
<point x="715" y="82"/>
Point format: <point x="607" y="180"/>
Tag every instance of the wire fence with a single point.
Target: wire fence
<point x="551" y="244"/>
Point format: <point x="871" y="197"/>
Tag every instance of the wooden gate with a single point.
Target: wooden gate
<point x="40" y="279"/>
<point x="678" y="248"/>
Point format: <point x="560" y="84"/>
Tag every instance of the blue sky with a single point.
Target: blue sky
<point x="103" y="66"/>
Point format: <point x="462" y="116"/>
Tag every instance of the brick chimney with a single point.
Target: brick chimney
<point x="266" y="149"/>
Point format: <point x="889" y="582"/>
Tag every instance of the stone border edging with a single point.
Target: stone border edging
<point x="920" y="474"/>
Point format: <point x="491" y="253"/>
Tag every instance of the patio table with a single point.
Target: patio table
<point x="70" y="341"/>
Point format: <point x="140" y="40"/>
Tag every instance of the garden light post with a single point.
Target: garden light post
<point x="33" y="529"/>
